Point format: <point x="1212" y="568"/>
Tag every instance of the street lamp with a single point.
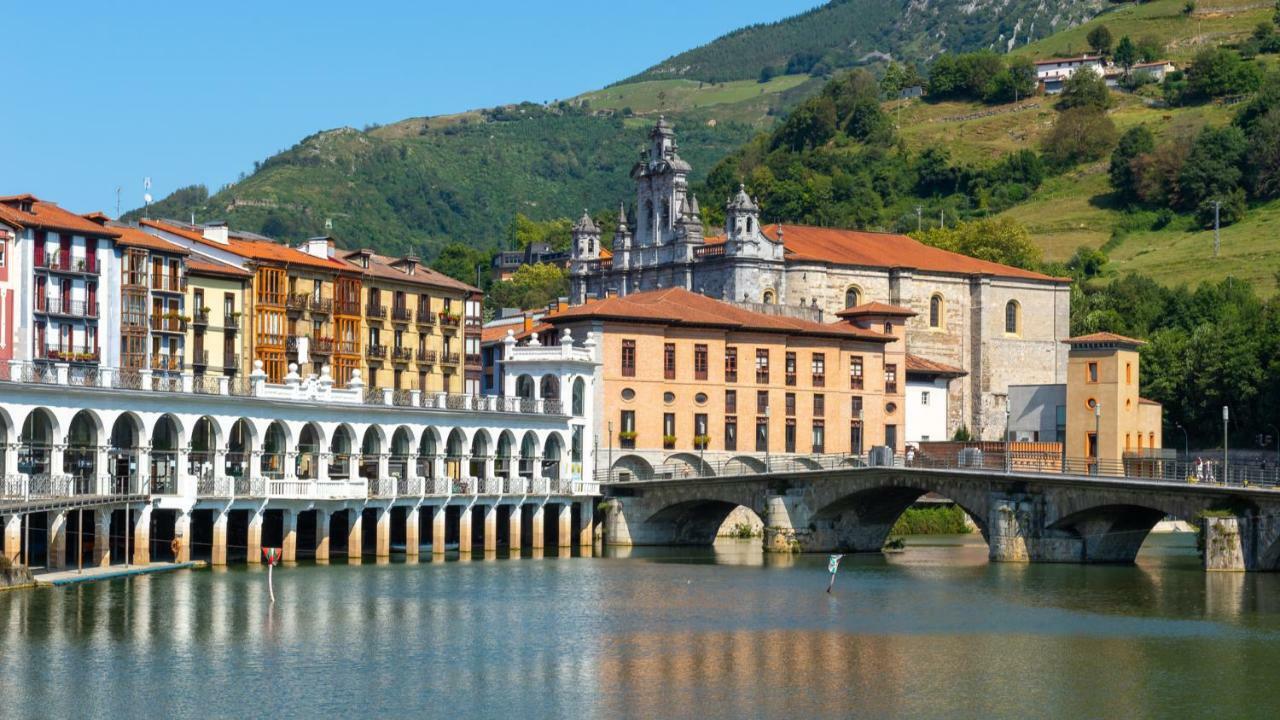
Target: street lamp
<point x="1226" y="414"/>
<point x="1186" y="443"/>
<point x="1097" y="434"/>
<point x="1008" y="463"/>
<point x="766" y="438"/>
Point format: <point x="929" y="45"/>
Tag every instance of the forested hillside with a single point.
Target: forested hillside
<point x="844" y="33"/>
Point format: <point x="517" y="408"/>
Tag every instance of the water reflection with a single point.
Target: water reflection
<point x="935" y="631"/>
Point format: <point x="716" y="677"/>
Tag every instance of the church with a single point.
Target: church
<point x="994" y="324"/>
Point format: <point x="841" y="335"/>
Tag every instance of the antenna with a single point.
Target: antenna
<point x="118" y="188"/>
<point x="146" y="195"/>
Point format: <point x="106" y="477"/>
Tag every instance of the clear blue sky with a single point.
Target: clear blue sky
<point x="101" y="95"/>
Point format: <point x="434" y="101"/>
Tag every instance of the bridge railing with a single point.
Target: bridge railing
<point x="1152" y="468"/>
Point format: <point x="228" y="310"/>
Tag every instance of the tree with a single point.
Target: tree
<point x="1216" y="72"/>
<point x="1126" y="55"/>
<point x="531" y="286"/>
<point x="1229" y="209"/>
<point x="1099" y="39"/>
<point x="810" y="125"/>
<point x="897" y="77"/>
<point x="1213" y="167"/>
<point x="1085" y="88"/>
<point x="1150" y="48"/>
<point x="1016" y="81"/>
<point x="460" y="261"/>
<point x="1264" y="156"/>
<point x="997" y="239"/>
<point x="1079" y="135"/>
<point x="1135" y="141"/>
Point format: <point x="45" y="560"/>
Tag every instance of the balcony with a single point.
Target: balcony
<point x="200" y="358"/>
<point x="231" y="322"/>
<point x="168" y="283"/>
<point x="200" y="318"/>
<point x="375" y="312"/>
<point x="450" y="358"/>
<point x="134" y="279"/>
<point x="401" y="354"/>
<point x="375" y="352"/>
<point x="890" y="387"/>
<point x="296" y="302"/>
<point x="348" y="347"/>
<point x="473" y="359"/>
<point x="322" y="346"/>
<point x="231" y="361"/>
<point x="291" y="344"/>
<point x="426" y="317"/>
<point x="275" y="299"/>
<point x="64" y="263"/>
<point x="168" y="323"/>
<point x="320" y="306"/>
<point x="134" y="321"/>
<point x="82" y="354"/>
<point x="425" y="357"/>
<point x="166" y="363"/>
<point x="272" y="340"/>
<point x="400" y="315"/>
<point x="67" y="308"/>
<point x="347" y="307"/>
<point x="450" y="321"/>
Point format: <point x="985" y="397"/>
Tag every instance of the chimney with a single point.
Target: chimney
<point x="216" y="232"/>
<point x="528" y="322"/>
<point x="321" y="247"/>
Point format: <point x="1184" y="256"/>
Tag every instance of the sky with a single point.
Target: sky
<point x="105" y="94"/>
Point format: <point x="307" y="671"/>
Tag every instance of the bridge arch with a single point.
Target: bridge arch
<point x="860" y="521"/>
<point x="687" y="465"/>
<point x="743" y="465"/>
<point x="1110" y="533"/>
<point x="697" y="521"/>
<point x="634" y="466"/>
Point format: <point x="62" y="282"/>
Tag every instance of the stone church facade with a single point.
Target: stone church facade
<point x="1002" y="325"/>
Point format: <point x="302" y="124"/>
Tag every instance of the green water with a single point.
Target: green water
<point x="728" y="632"/>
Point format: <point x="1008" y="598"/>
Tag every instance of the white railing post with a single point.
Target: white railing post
<point x="388" y="396"/>
<point x="188" y="382"/>
<point x="62" y="371"/>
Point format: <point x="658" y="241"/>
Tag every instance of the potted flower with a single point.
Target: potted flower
<point x="628" y="438"/>
<point x="668" y="441"/>
<point x="701" y="441"/>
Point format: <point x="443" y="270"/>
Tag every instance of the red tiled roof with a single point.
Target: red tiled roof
<point x="382" y="266"/>
<point x="876" y="308"/>
<point x="252" y="249"/>
<point x="1080" y="58"/>
<point x="47" y="215"/>
<point x="925" y="366"/>
<point x="210" y="266"/>
<point x="1146" y="401"/>
<point x="134" y="237"/>
<point x="676" y="306"/>
<point x="886" y="250"/>
<point x="1104" y="337"/>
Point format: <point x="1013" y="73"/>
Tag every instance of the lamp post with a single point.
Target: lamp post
<point x="1097" y="434"/>
<point x="1008" y="461"/>
<point x="1226" y="463"/>
<point x="1276" y="439"/>
<point x="1186" y="443"/>
<point x="766" y="438"/>
<point x="609" y="471"/>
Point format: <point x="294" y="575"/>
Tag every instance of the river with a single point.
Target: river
<point x="725" y="632"/>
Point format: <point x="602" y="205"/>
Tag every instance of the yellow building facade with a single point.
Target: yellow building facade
<point x="1107" y="418"/>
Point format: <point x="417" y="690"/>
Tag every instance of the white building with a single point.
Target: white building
<point x="927" y="392"/>
<point x="1053" y="72"/>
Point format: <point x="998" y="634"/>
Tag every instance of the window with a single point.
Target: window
<point x="819" y="405"/>
<point x="669" y="361"/>
<point x="935" y="311"/>
<point x="700" y="429"/>
<point x="1091" y="373"/>
<point x="791" y="368"/>
<point x="762" y="401"/>
<point x="891" y="437"/>
<point x="699" y="362"/>
<point x="762" y="367"/>
<point x="790" y="404"/>
<point x="819" y="436"/>
<point x="855" y="437"/>
<point x="1128" y="373"/>
<point x="769" y="297"/>
<point x="855" y="372"/>
<point x="628" y="358"/>
<point x="852" y="297"/>
<point x="891" y="379"/>
<point x="668" y="430"/>
<point x="1012" y="317"/>
<point x="3" y="246"/>
<point x="730" y="432"/>
<point x="731" y="401"/>
<point x="790" y="437"/>
<point x="762" y="434"/>
<point x="627" y="429"/>
<point x="924" y="398"/>
<point x="818" y="367"/>
<point x="856" y="408"/>
<point x="731" y="364"/>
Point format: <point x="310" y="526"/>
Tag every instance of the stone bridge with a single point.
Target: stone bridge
<point x="1023" y="517"/>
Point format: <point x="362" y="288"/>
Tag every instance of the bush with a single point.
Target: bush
<point x="1217" y="72"/>
<point x="1079" y="135"/>
<point x="936" y="520"/>
<point x="1136" y="141"/>
<point x="1085" y="88"/>
<point x="1232" y="211"/>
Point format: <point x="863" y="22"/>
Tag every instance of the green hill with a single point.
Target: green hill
<point x="419" y="184"/>
<point x="845" y="33"/>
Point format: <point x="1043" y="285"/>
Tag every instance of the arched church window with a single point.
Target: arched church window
<point x="591" y="245"/>
<point x="852" y="297"/>
<point x="769" y="297"/>
<point x="1012" y="317"/>
<point x="666" y="213"/>
<point x="935" y="311"/>
<point x="750" y="226"/>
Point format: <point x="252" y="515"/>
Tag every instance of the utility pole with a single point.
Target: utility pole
<point x="1226" y="413"/>
<point x="1217" y="241"/>
<point x="118" y="188"/>
<point x="1097" y="435"/>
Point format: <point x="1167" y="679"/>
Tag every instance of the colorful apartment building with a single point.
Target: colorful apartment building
<point x="686" y="378"/>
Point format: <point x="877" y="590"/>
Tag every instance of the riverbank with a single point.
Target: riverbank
<point x="932" y="520"/>
<point x="60" y="578"/>
<point x="15" y="577"/>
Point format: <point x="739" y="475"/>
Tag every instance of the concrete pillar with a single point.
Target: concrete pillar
<point x="322" y="535"/>
<point x="513" y="529"/>
<point x="464" y="530"/>
<point x="383" y="548"/>
<point x="538" y="531"/>
<point x="182" y="531"/>
<point x="1224" y="546"/>
<point x="586" y="528"/>
<point x="565" y="534"/>
<point x="254" y="546"/>
<point x="13" y="537"/>
<point x="57" y="548"/>
<point x="490" y="528"/>
<point x="355" y="536"/>
<point x="437" y="529"/>
<point x="289" y="540"/>
<point x="101" y="537"/>
<point x="218" y="555"/>
<point x="412" y="532"/>
<point x="142" y="536"/>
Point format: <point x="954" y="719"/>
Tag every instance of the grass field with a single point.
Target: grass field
<point x="1214" y="22"/>
<point x="658" y="95"/>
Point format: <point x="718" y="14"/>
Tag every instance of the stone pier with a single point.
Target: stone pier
<point x="464" y="530"/>
<point x="412" y="532"/>
<point x="182" y="533"/>
<point x="587" y="531"/>
<point x="537" y="529"/>
<point x="355" y="535"/>
<point x="383" y="545"/>
<point x="514" y="528"/>
<point x="57" y="547"/>
<point x="564" y="529"/>
<point x="322" y="535"/>
<point x="218" y="554"/>
<point x="437" y="529"/>
<point x="142" y="536"/>
<point x="253" y="547"/>
<point x="289" y="539"/>
<point x="13" y="538"/>
<point x="490" y="528"/>
<point x="101" y="537"/>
